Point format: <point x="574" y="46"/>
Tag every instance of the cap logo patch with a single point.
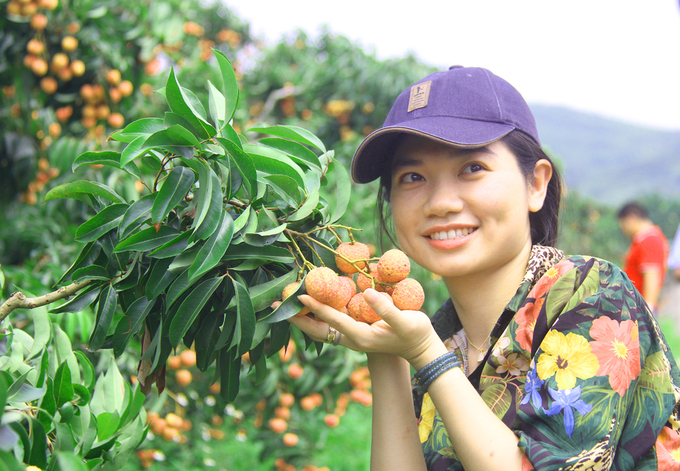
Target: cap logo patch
<point x="420" y="93"/>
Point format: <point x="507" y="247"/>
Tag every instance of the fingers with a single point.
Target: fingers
<point x="316" y="330"/>
<point x="383" y="307"/>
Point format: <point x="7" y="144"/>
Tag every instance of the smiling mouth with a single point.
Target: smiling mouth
<point x="452" y="234"/>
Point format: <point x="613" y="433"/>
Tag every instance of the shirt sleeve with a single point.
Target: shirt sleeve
<point x="652" y="253"/>
<point x="602" y="381"/>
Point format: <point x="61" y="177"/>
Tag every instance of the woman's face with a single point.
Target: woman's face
<point x="459" y="212"/>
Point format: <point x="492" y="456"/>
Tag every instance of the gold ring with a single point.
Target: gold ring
<point x="332" y="333"/>
<point x="337" y="339"/>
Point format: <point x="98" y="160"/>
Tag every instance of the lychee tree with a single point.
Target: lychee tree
<point x="225" y="222"/>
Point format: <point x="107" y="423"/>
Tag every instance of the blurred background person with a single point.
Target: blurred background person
<point x="674" y="257"/>
<point x="645" y="262"/>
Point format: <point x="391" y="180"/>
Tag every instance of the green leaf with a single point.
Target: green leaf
<point x="213" y="213"/>
<point x="64" y="351"/>
<point x="159" y="278"/>
<point x="217" y="105"/>
<point x="306" y="209"/>
<point x="42" y="332"/>
<point x="267" y="237"/>
<point x="105" y="310"/>
<point x="289" y="132"/>
<point x="108" y="158"/>
<point x="38" y="436"/>
<point x="286" y="188"/>
<point x="133" y="150"/>
<point x="131" y="323"/>
<point x="180" y="104"/>
<point x="87" y="256"/>
<point x="141" y="127"/>
<point x="78" y="188"/>
<point x="5" y="382"/>
<point x="88" y="369"/>
<point x="69" y="461"/>
<point x="137" y="214"/>
<point x="244" y="163"/>
<point x="177" y="287"/>
<point x="175" y="135"/>
<point x="214" y="248"/>
<point x="230" y="88"/>
<point x="204" y="194"/>
<point x="206" y="339"/>
<point x="173" y="247"/>
<point x="190" y="307"/>
<point x="266" y="253"/>
<point x="274" y="162"/>
<point x="101" y="223"/>
<point x="294" y="150"/>
<point x="83" y="393"/>
<point x="9" y="463"/>
<point x="63" y="385"/>
<point x="264" y="294"/>
<point x="337" y="187"/>
<point x="176" y="185"/>
<point x="148" y="239"/>
<point x="107" y="424"/>
<point x="92" y="272"/>
<point x="230" y="368"/>
<point x="80" y="301"/>
<point x="245" y="323"/>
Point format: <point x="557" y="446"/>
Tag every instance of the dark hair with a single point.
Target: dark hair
<point x="633" y="208"/>
<point x="544" y="223"/>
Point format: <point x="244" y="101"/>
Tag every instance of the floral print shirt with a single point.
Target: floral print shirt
<point x="578" y="368"/>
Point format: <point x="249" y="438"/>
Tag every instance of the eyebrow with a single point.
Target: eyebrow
<point x="456" y="152"/>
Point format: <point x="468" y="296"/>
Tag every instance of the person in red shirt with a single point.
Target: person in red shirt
<point x="646" y="258"/>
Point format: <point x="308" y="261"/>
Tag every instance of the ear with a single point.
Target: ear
<point x="538" y="187"/>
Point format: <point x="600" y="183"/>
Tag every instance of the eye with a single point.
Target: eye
<point x="410" y="177"/>
<point x="473" y="168"/>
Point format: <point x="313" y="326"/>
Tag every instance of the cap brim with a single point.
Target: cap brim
<point x="371" y="158"/>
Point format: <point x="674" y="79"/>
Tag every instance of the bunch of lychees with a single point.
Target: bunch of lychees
<point x="388" y="275"/>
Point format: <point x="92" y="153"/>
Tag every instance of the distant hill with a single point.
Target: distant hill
<point x="609" y="160"/>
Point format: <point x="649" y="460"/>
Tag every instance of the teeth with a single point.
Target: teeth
<point x="452" y="234"/>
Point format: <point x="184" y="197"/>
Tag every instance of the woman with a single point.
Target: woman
<point x="538" y="360"/>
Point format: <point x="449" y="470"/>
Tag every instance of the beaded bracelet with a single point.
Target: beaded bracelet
<point x="427" y="374"/>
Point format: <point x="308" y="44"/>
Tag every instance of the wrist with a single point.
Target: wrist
<point x="431" y="353"/>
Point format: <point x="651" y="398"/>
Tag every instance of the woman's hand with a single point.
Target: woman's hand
<point x="408" y="334"/>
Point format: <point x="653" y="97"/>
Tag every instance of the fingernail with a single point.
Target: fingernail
<point x="371" y="296"/>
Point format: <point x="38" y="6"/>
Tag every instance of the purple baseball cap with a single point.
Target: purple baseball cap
<point x="463" y="106"/>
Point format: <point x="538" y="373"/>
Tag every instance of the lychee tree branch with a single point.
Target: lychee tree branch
<point x="18" y="300"/>
<point x="306" y="238"/>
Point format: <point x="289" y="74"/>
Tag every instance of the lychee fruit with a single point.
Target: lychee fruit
<point x="364" y="282"/>
<point x="345" y="292"/>
<point x="393" y="266"/>
<point x="408" y="295"/>
<point x="290" y="289"/>
<point x="356" y="252"/>
<point x="359" y="310"/>
<point x="322" y="284"/>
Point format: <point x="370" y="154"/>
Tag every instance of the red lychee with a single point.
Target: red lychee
<point x="322" y="284"/>
<point x="359" y="310"/>
<point x="346" y="291"/>
<point x="356" y="252"/>
<point x="393" y="266"/>
<point x="408" y="295"/>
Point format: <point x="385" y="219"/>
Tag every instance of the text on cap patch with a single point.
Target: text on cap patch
<point x="420" y="93"/>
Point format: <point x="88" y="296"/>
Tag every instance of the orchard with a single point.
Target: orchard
<point x="169" y="186"/>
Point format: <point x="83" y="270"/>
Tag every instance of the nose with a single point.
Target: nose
<point x="443" y="198"/>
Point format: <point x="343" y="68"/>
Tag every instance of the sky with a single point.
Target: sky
<point x="615" y="58"/>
